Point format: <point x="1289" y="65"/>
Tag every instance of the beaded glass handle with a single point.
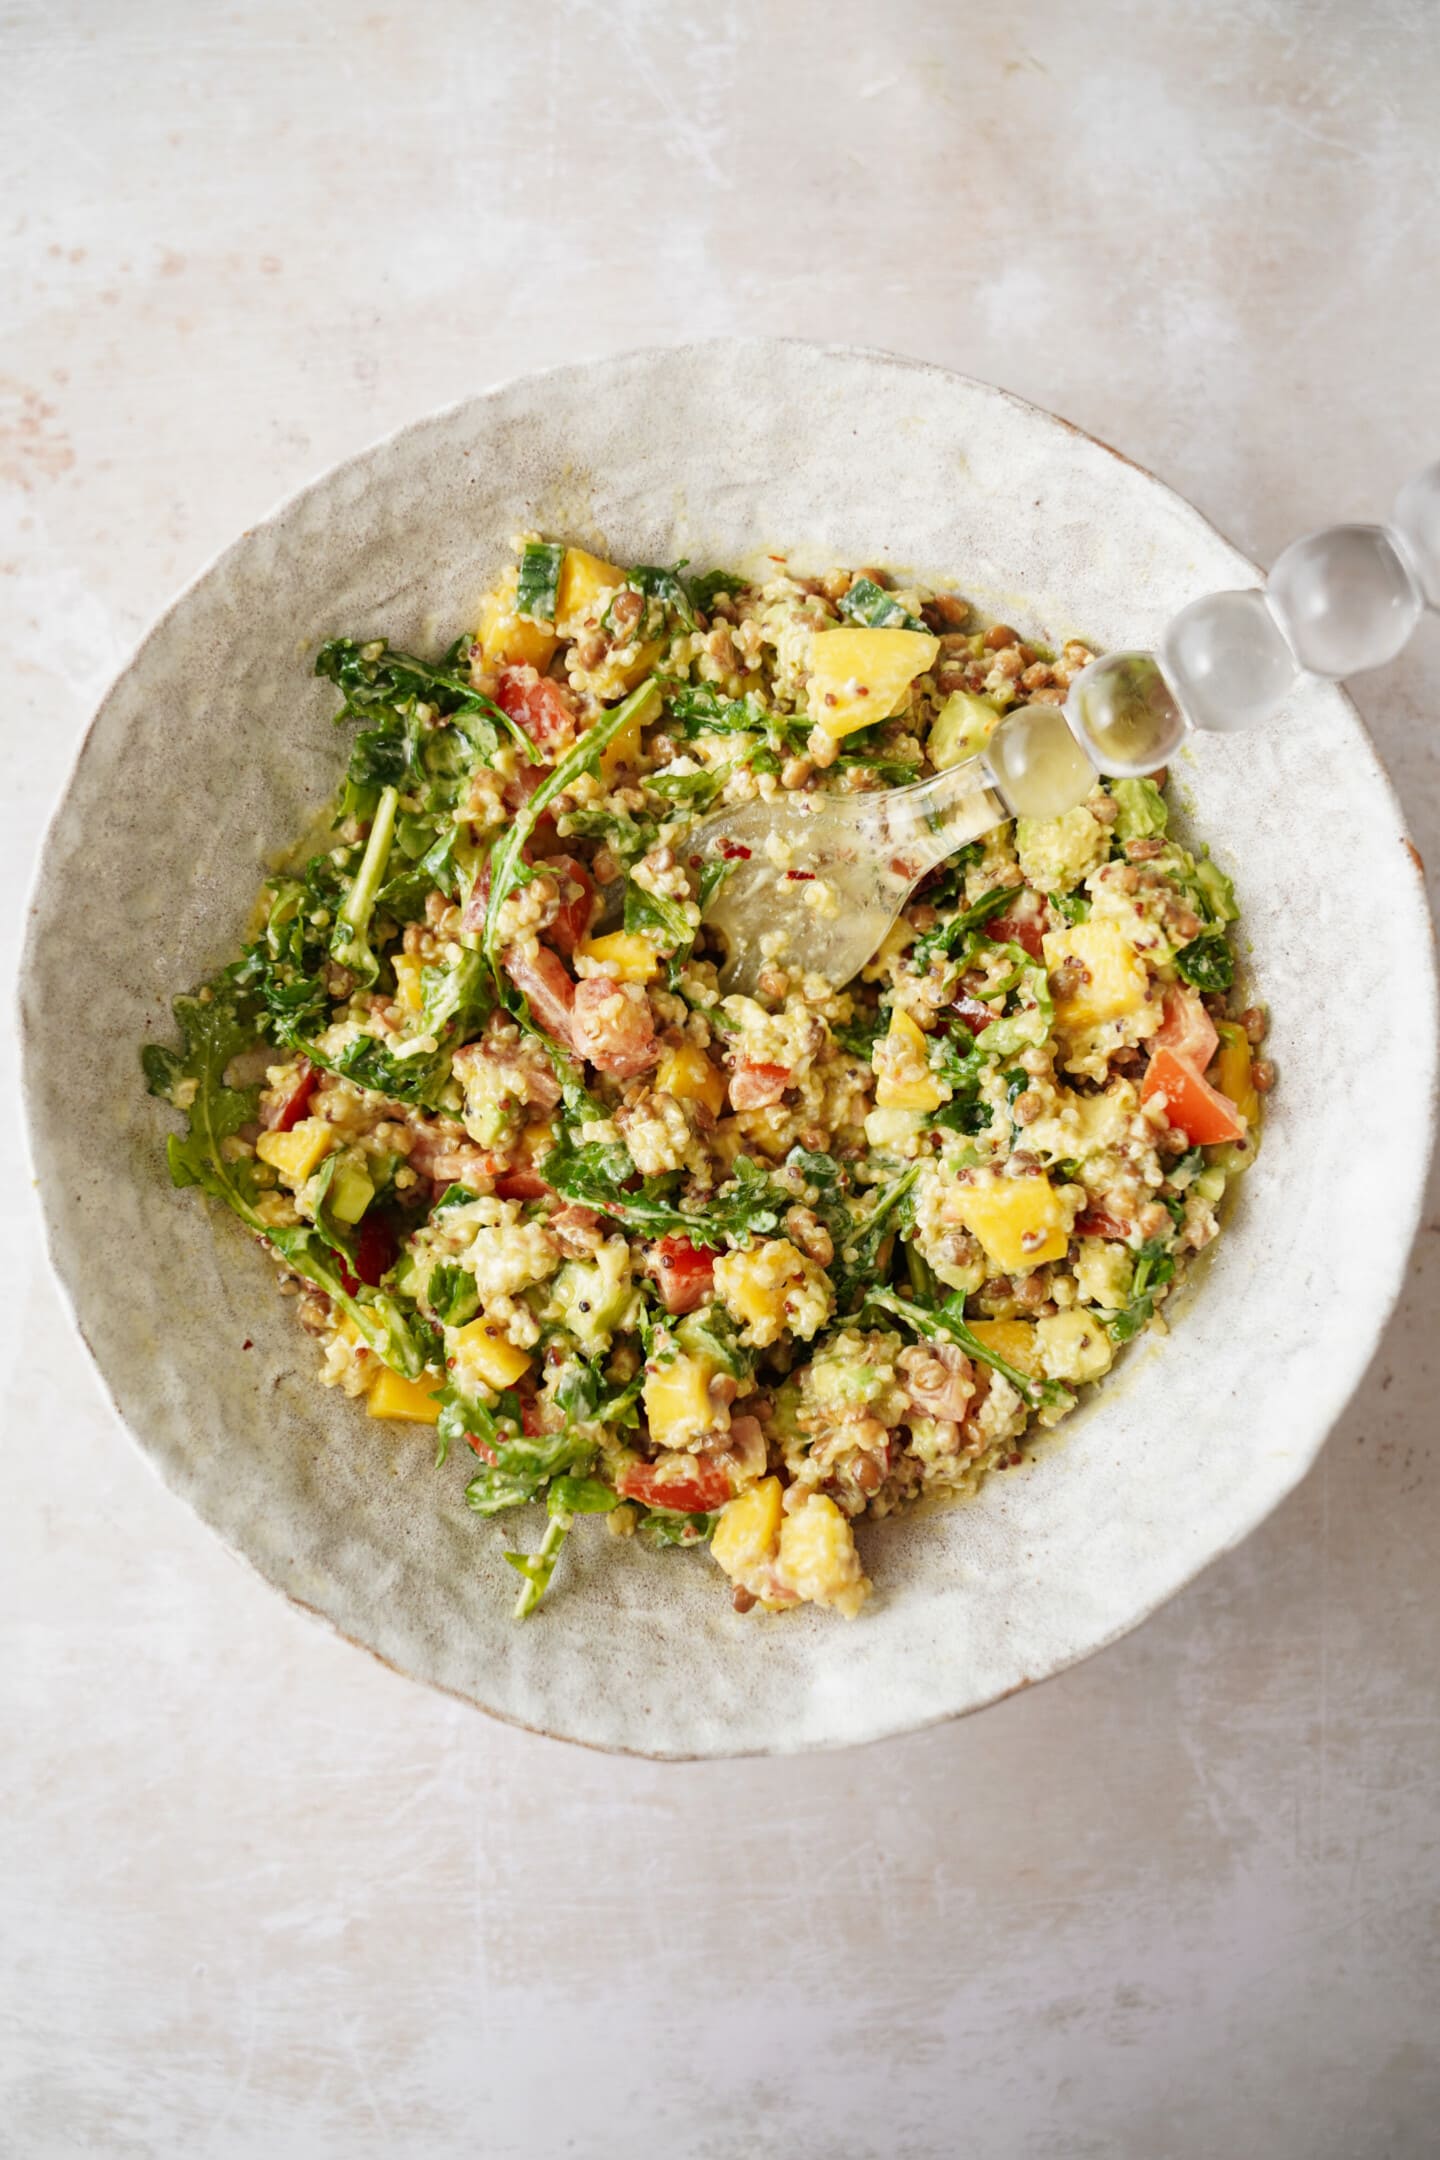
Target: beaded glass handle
<point x="1336" y="603"/>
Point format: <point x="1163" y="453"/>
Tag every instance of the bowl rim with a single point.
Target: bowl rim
<point x="752" y="345"/>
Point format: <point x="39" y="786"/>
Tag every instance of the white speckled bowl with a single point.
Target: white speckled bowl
<point x="215" y="745"/>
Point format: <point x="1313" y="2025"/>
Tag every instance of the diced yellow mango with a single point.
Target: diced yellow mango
<point x="407" y="981"/>
<point x="583" y="578"/>
<point x="749" y="1527"/>
<point x="635" y="671"/>
<point x="904" y="1080"/>
<point x="857" y="676"/>
<point x="817" y="1558"/>
<point x="678" y="1405"/>
<point x="623" y="748"/>
<point x="481" y="1350"/>
<point x="1013" y="1340"/>
<point x="688" y="1075"/>
<point x="412" y="1400"/>
<point x="963" y="727"/>
<point x="1020" y="1221"/>
<point x="624" y="954"/>
<point x="1113" y="983"/>
<point x="296" y="1154"/>
<point x="1230" y="1071"/>
<point x="510" y="640"/>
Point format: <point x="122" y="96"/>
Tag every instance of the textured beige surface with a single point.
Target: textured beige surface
<point x="259" y="1897"/>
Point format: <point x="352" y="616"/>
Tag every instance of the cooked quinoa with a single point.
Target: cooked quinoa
<point x="727" y="1270"/>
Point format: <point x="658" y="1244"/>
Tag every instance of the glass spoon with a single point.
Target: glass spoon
<point x="815" y="882"/>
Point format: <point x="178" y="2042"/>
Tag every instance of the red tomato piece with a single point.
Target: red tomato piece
<point x="548" y="986"/>
<point x="1023" y="923"/>
<point x="483" y="1449"/>
<point x="613" y="1026"/>
<point x="693" y="1486"/>
<point x="521" y="1185"/>
<point x="755" y="1087"/>
<point x="1187" y="1029"/>
<point x="684" y="1272"/>
<point x="287" y="1110"/>
<point x="577" y="902"/>
<point x="541" y="707"/>
<point x="972" y="1015"/>
<point x="376" y="1245"/>
<point x="1205" y="1116"/>
<point x="477" y="907"/>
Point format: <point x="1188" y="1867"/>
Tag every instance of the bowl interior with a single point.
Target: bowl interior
<point x="214" y="748"/>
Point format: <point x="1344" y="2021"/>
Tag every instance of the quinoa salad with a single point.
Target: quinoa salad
<point x="728" y="1272"/>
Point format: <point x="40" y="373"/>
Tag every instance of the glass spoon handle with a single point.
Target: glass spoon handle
<point x="1336" y="603"/>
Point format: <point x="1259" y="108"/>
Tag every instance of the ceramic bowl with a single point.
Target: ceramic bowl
<point x="215" y="745"/>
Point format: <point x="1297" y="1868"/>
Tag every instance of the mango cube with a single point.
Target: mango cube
<point x="688" y="1075"/>
<point x="296" y="1154"/>
<point x="1013" y="1340"/>
<point x="745" y="1537"/>
<point x="623" y="954"/>
<point x="583" y="578"/>
<point x="481" y="1350"/>
<point x="408" y="971"/>
<point x="772" y="1287"/>
<point x="858" y="676"/>
<point x="1074" y="1345"/>
<point x="510" y="640"/>
<point x="678" y="1407"/>
<point x="1230" y="1072"/>
<point x="623" y="747"/>
<point x="1112" y="982"/>
<point x="1020" y="1221"/>
<point x="904" y="1079"/>
<point x="412" y="1401"/>
<point x="818" y="1560"/>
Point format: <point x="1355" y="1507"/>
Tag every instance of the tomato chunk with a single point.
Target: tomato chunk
<point x="692" y="1490"/>
<point x="755" y="1087"/>
<point x="541" y="707"/>
<point x="1187" y="1029"/>
<point x="1205" y="1116"/>
<point x="972" y="1015"/>
<point x="376" y="1245"/>
<point x="684" y="1272"/>
<point x="521" y="1185"/>
<point x="613" y="1026"/>
<point x="287" y="1110"/>
<point x="1023" y="923"/>
<point x="548" y="986"/>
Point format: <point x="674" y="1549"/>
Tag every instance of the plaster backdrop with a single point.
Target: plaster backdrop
<point x="260" y="1897"/>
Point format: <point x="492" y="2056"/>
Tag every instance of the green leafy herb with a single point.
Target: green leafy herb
<point x="869" y="603"/>
<point x="537" y="590"/>
<point x="451" y="1294"/>
<point x="706" y="589"/>
<point x="668" y="588"/>
<point x="350" y="943"/>
<point x="507" y="861"/>
<point x="951" y="939"/>
<point x="216" y="1025"/>
<point x="1207" y="961"/>
<point x="1074" y="906"/>
<point x="1154" y="1266"/>
<point x="856" y="1231"/>
<point x="662" y="1527"/>
<point x="947" y="1324"/>
<point x="601" y="1174"/>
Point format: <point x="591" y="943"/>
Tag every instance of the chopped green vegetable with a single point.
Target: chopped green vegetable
<point x="1207" y="962"/>
<point x="537" y="592"/>
<point x="869" y="604"/>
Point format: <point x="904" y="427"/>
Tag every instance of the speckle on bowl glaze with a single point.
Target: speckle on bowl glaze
<point x="214" y="747"/>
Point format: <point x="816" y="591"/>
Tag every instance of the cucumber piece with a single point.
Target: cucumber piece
<point x="350" y="1192"/>
<point x="869" y="604"/>
<point x="537" y="592"/>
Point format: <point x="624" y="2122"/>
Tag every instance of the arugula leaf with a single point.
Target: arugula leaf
<point x="663" y="922"/>
<point x="376" y="675"/>
<point x="537" y="591"/>
<point x="451" y="1294"/>
<point x="706" y="589"/>
<point x="951" y="939"/>
<point x="690" y="791"/>
<point x="1074" y="906"/>
<point x="567" y="1498"/>
<point x="602" y="1175"/>
<point x="947" y="1324"/>
<point x="216" y="1025"/>
<point x="627" y="837"/>
<point x="662" y="1527"/>
<point x="856" y="1232"/>
<point x="507" y="861"/>
<point x="701" y="710"/>
<point x="870" y="604"/>
<point x="1207" y="961"/>
<point x="1154" y="1266"/>
<point x="350" y="942"/>
<point x="666" y="586"/>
